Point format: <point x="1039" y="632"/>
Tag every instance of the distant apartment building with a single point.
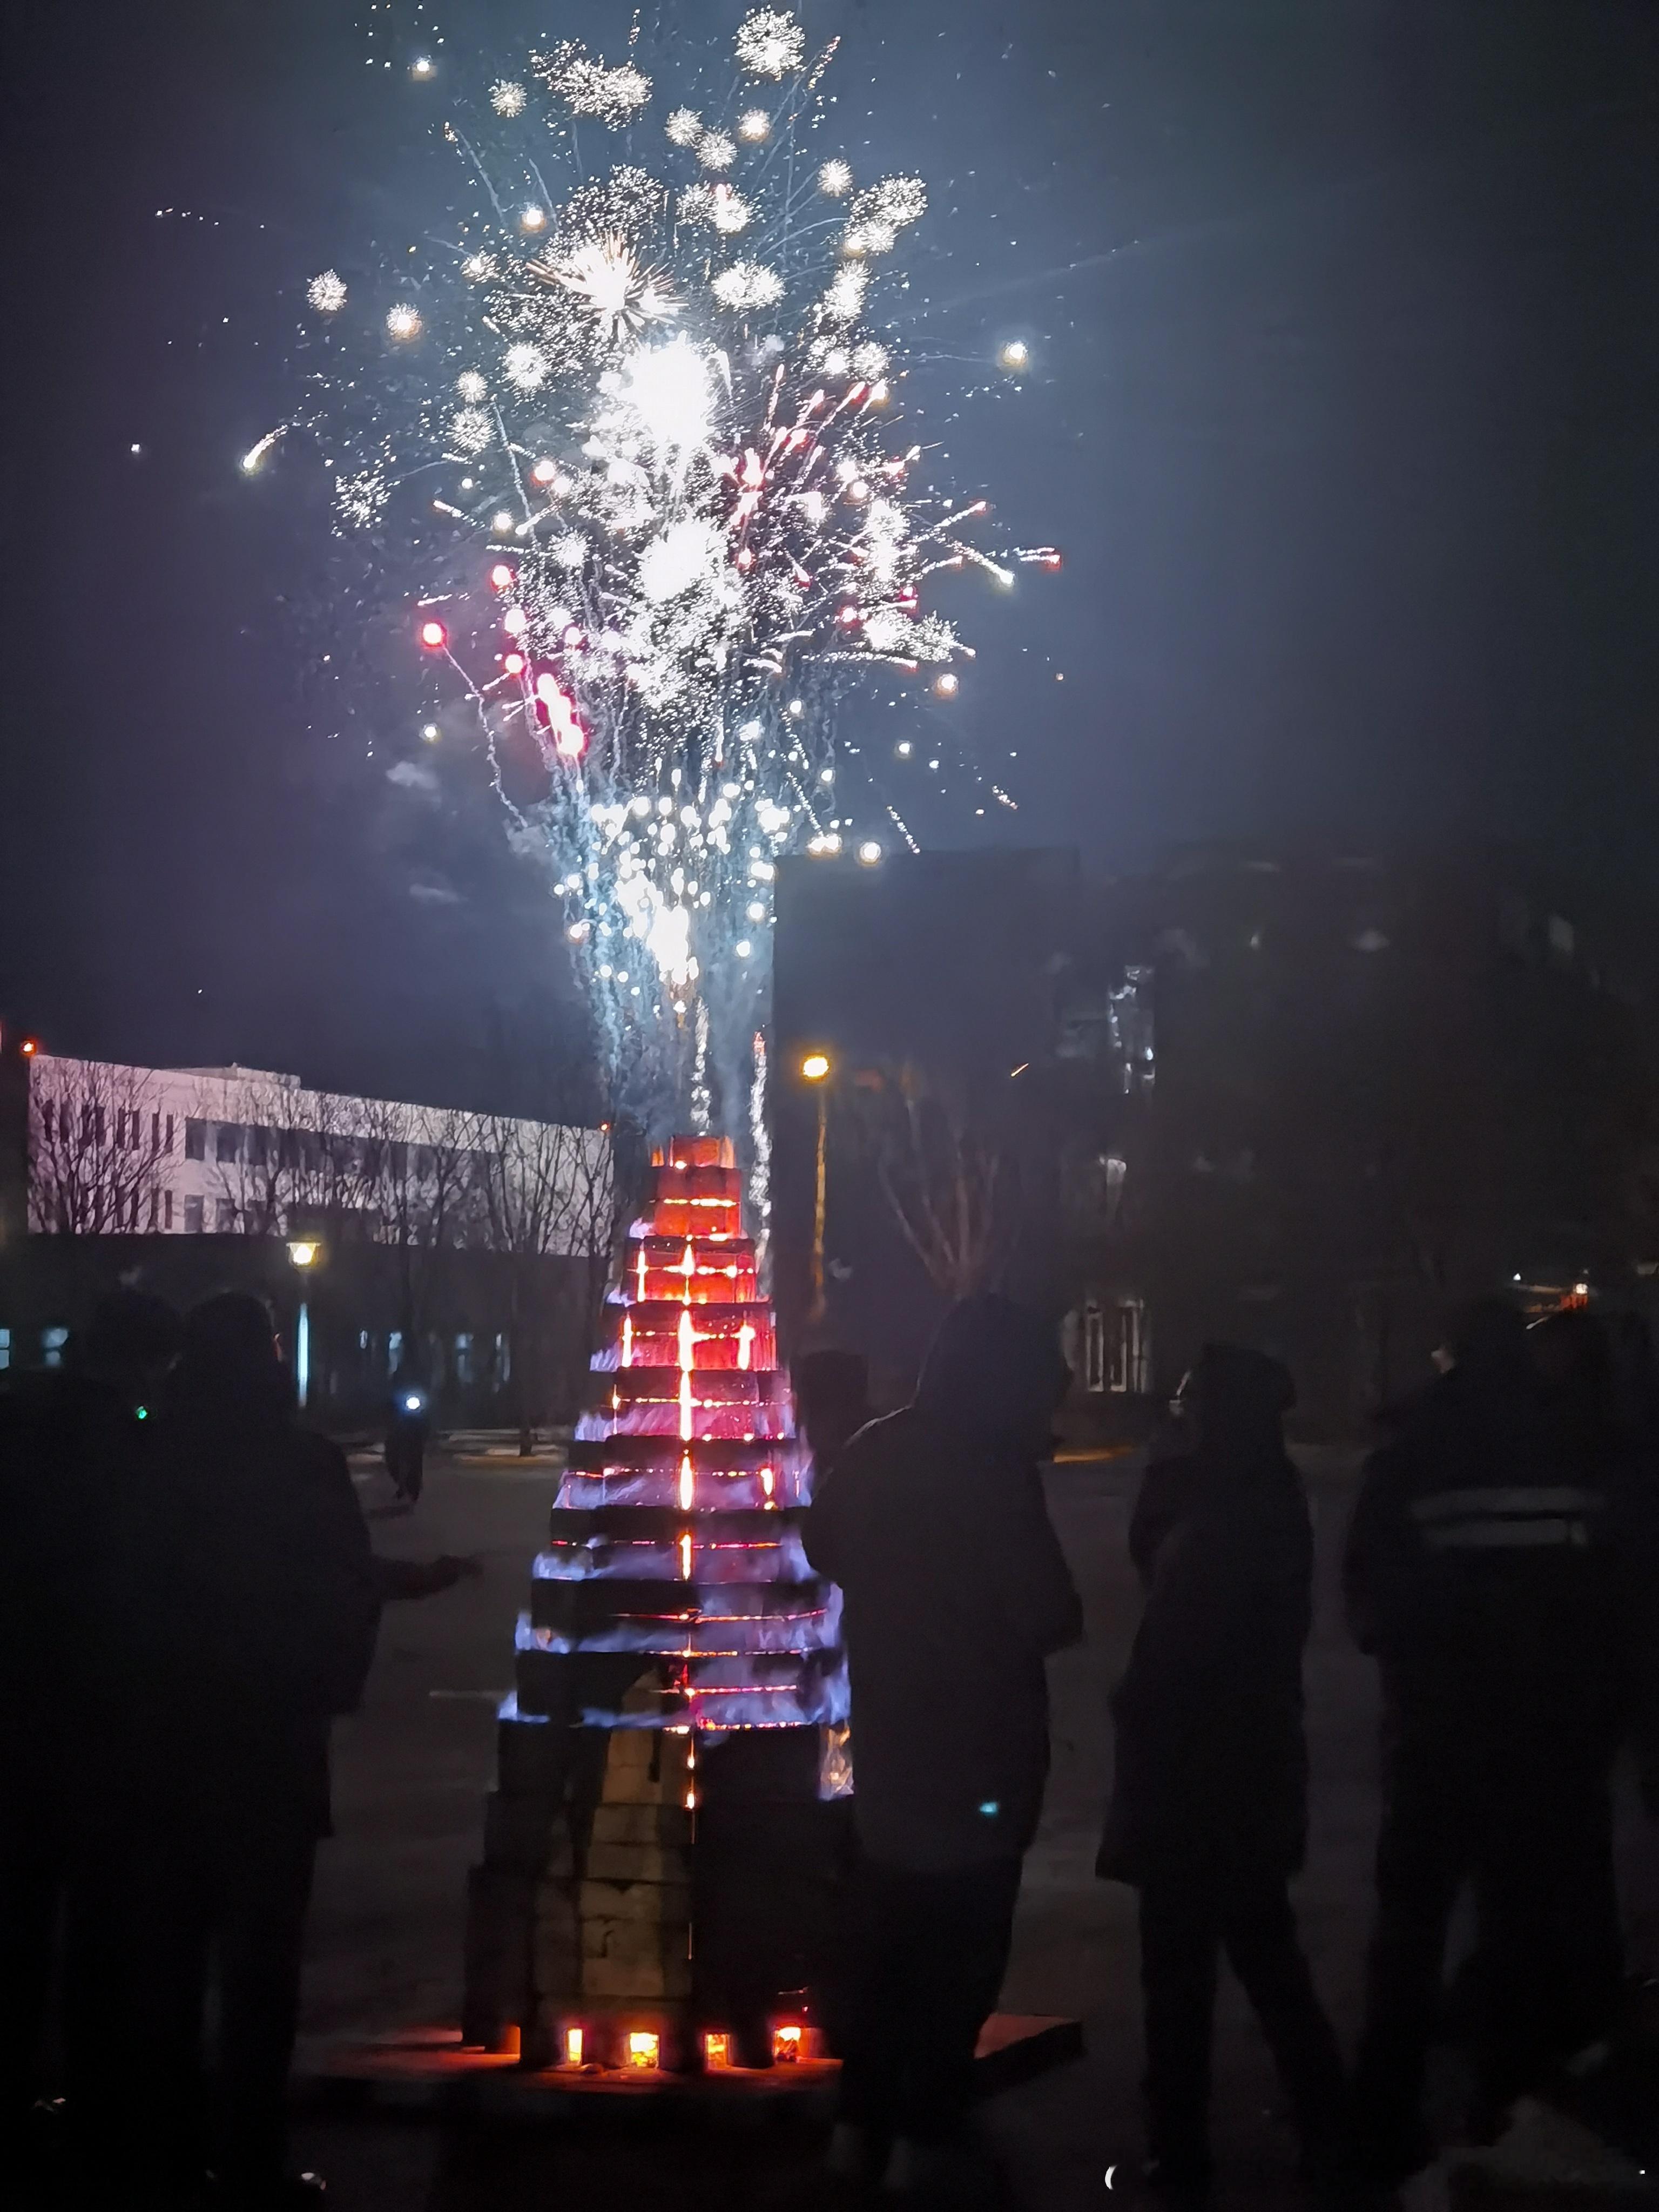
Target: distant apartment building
<point x="467" y="1246"/>
<point x="1306" y="1100"/>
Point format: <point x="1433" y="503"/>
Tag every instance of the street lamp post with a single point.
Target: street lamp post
<point x="303" y="1252"/>
<point x="815" y="1070"/>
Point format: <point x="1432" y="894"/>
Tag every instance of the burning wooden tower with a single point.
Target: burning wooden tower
<point x="655" y="1849"/>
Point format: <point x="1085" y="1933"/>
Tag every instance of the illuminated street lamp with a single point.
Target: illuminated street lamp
<point x="304" y="1253"/>
<point x="815" y="1070"/>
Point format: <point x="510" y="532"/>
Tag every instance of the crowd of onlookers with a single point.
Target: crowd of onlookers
<point x="1503" y="1566"/>
<point x="190" y="1597"/>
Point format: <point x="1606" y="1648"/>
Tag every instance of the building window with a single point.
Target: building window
<point x="464" y="1360"/>
<point x="154" y="1212"/>
<point x="228" y="1144"/>
<point x="53" y="1341"/>
<point x="5" y="1349"/>
<point x="168" y="1147"/>
<point x="46" y="1119"/>
<point x="1094" y="1348"/>
<point x="194" y="1216"/>
<point x="1130" y="1348"/>
<point x="195" y="1139"/>
<point x="167" y="1209"/>
<point x="227" y="1217"/>
<point x="394" y="1351"/>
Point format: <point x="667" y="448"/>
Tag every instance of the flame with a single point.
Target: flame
<point x="746" y="1336"/>
<point x="685" y="1556"/>
<point x="644" y="2048"/>
<point x="642" y="1274"/>
<point x="786" y="2043"/>
<point x="688" y="1268"/>
<point x="627" y="1341"/>
<point x="766" y="1480"/>
<point x="686" y="1482"/>
<point x="573" y="2046"/>
<point x="717" y="2049"/>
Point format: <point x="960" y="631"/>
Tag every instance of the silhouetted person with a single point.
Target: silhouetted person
<point x="1635" y="1386"/>
<point x="1209" y="1810"/>
<point x="73" y="1472"/>
<point x="1503" y="1566"/>
<point x="408" y="1430"/>
<point x="933" y="1523"/>
<point x="266" y="1606"/>
<point x="832" y="1396"/>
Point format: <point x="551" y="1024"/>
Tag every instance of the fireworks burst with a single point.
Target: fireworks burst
<point x="676" y="518"/>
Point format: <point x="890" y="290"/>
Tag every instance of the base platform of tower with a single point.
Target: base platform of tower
<point x="661" y="1845"/>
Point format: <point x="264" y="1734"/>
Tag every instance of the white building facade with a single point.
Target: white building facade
<point x="122" y="1150"/>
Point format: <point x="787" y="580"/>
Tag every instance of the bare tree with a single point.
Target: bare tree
<point x="949" y="1177"/>
<point x="256" y="1163"/>
<point x="418" y="1170"/>
<point x="97" y="1139"/>
<point x="543" y="1189"/>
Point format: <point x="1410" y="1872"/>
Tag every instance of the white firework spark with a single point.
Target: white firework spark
<point x="748" y="285"/>
<point x="614" y="96"/>
<point x="843" y="302"/>
<point x="658" y="491"/>
<point x="470" y="430"/>
<point x="770" y="43"/>
<point x="524" y="366"/>
<point x="605" y="276"/>
<point x="327" y="293"/>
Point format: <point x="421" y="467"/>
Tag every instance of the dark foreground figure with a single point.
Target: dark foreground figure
<point x="933" y="1522"/>
<point x="272" y="1607"/>
<point x="76" y="1466"/>
<point x="1209" y="1808"/>
<point x="1503" y="1566"/>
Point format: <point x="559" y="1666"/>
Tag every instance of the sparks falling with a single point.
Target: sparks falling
<point x="649" y="439"/>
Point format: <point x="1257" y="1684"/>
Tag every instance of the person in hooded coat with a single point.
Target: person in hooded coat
<point x="261" y="1605"/>
<point x="1209" y="1810"/>
<point x="832" y="1401"/>
<point x="955" y="1590"/>
<point x="1503" y="1566"/>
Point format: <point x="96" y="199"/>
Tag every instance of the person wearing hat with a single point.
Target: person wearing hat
<point x="1209" y="1809"/>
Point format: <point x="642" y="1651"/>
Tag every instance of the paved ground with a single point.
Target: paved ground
<point x="413" y="1767"/>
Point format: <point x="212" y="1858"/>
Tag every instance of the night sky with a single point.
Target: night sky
<point x="1343" y="408"/>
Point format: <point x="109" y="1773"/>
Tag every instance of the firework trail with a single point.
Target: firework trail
<point x="644" y="430"/>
